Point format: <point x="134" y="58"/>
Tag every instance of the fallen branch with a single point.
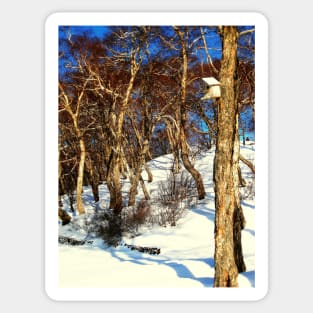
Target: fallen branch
<point x="144" y="249"/>
<point x="73" y="242"/>
<point x="248" y="163"/>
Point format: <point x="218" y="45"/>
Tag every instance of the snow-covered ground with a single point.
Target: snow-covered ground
<point x="187" y="249"/>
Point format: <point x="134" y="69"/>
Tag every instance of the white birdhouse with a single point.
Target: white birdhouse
<point x="213" y="88"/>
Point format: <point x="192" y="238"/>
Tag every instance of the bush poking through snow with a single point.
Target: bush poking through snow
<point x="133" y="217"/>
<point x="102" y="224"/>
<point x="172" y="194"/>
<point x="177" y="187"/>
<point x="107" y="226"/>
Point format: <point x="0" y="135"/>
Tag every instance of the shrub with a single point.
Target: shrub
<point x="133" y="217"/>
<point x="103" y="224"/>
<point x="177" y="187"/>
<point x="172" y="193"/>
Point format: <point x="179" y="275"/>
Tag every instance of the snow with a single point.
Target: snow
<point x="187" y="249"/>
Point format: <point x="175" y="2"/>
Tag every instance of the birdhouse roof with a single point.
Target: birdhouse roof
<point x="211" y="81"/>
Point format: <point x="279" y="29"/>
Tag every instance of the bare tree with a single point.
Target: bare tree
<point x="73" y="105"/>
<point x="183" y="118"/>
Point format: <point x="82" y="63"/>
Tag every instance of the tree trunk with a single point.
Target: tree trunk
<point x="144" y="189"/>
<point x="134" y="180"/>
<point x="195" y="174"/>
<point x="95" y="191"/>
<point x="150" y="176"/>
<point x="114" y="184"/>
<point x="137" y="173"/>
<point x="183" y="122"/>
<point x="94" y="178"/>
<point x="173" y="140"/>
<point x="239" y="220"/>
<point x="113" y="177"/>
<point x="80" y="178"/>
<point x="242" y="182"/>
<point x="64" y="217"/>
<point x="226" y="211"/>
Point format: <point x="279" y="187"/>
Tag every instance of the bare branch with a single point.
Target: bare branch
<point x="209" y="59"/>
<point x="246" y="32"/>
<point x="199" y="131"/>
<point x="248" y="163"/>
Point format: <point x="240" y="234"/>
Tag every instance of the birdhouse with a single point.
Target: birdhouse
<point x="213" y="88"/>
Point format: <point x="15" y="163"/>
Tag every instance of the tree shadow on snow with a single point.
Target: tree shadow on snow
<point x="250" y="276"/>
<point x="250" y="231"/>
<point x="181" y="270"/>
<point x="247" y="205"/>
<point x="204" y="211"/>
<point x="157" y="164"/>
<point x="113" y="253"/>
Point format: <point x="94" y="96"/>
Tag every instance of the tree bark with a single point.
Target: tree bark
<point x="144" y="189"/>
<point x="113" y="179"/>
<point x="94" y="178"/>
<point x="183" y="122"/>
<point x="143" y="139"/>
<point x="148" y="171"/>
<point x="80" y="178"/>
<point x="114" y="184"/>
<point x="137" y="173"/>
<point x="226" y="211"/>
<point x="74" y="115"/>
<point x="239" y="219"/>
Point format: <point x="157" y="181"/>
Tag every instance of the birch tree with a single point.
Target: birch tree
<point x="183" y="117"/>
<point x="73" y="106"/>
<point x="228" y="216"/>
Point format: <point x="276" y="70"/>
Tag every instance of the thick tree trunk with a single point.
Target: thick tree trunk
<point x="226" y="206"/>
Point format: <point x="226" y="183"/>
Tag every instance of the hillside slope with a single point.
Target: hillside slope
<point x="187" y="249"/>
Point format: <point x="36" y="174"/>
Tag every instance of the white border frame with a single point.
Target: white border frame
<point x="51" y="156"/>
